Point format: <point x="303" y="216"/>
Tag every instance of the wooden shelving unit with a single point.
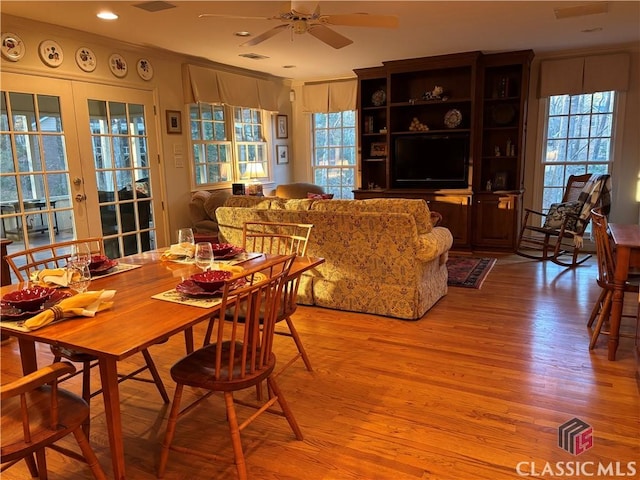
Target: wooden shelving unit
<point x="490" y="94"/>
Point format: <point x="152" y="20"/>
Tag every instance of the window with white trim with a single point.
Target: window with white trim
<point x="228" y="145"/>
<point x="579" y="137"/>
<point x="334" y="152"/>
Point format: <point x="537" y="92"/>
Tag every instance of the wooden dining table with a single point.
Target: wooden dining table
<point x="134" y="322"/>
<point x="626" y="239"/>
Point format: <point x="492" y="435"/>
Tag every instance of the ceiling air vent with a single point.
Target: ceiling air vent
<point x="155" y="6"/>
<point x="253" y="56"/>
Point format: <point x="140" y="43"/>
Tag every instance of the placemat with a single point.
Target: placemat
<point x="240" y="258"/>
<point x="176" y="297"/>
<point x="121" y="267"/>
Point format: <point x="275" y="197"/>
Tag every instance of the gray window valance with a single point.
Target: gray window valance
<point x="202" y="84"/>
<point x="328" y="97"/>
<point x="573" y="76"/>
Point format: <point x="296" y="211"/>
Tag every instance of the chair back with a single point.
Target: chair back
<point x="283" y="239"/>
<point x="245" y="326"/>
<point x="278" y="238"/>
<point x="56" y="255"/>
<point x="575" y="185"/>
<point x="604" y="248"/>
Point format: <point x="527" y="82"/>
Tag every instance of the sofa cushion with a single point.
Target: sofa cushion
<point x="416" y="207"/>
<point x="293" y="204"/>
<point x="250" y="201"/>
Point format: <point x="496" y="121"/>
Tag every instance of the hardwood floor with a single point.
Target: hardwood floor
<point x="478" y="385"/>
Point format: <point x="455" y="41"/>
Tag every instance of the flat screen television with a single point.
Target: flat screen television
<point x="431" y="161"/>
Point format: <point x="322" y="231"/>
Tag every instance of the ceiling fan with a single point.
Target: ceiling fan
<point x="299" y="19"/>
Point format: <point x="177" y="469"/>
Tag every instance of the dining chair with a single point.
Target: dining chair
<point x="24" y="263"/>
<point x="240" y="357"/>
<point x="558" y="234"/>
<point x="606" y="269"/>
<point x="36" y="414"/>
<point x="284" y="239"/>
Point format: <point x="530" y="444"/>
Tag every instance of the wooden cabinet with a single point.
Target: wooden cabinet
<point x="500" y="149"/>
<point x="475" y="101"/>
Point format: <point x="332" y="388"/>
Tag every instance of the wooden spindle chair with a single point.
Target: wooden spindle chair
<point x="283" y="239"/>
<point x="239" y="357"/>
<point x="25" y="263"/>
<point x="36" y="414"/>
<point x="606" y="269"/>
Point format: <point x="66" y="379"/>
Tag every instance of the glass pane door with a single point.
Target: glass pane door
<point x="121" y="146"/>
<point x="38" y="160"/>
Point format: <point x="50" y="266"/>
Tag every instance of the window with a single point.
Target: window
<point x="578" y="139"/>
<point x="334" y="152"/>
<point x="219" y="159"/>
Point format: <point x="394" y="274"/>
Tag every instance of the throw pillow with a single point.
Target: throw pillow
<point x="320" y="196"/>
<point x="558" y="212"/>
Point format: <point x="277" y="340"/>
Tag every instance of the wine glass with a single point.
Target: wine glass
<point x="186" y="237"/>
<point x="204" y="255"/>
<point x="80" y="253"/>
<point x="79" y="276"/>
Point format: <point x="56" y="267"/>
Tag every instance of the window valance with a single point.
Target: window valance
<point x="573" y="76"/>
<point x="202" y="84"/>
<point x="329" y="97"/>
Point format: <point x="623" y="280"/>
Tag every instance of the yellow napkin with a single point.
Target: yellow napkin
<point x="179" y="251"/>
<point x="85" y="304"/>
<point x="51" y="277"/>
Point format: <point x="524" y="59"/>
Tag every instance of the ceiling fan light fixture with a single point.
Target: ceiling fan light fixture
<point x="299" y="27"/>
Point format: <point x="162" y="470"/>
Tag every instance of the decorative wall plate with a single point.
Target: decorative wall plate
<point x="145" y="69"/>
<point x="12" y="47"/>
<point x="378" y="98"/>
<point x="51" y="53"/>
<point x="118" y="65"/>
<point x="86" y="59"/>
<point x="453" y="118"/>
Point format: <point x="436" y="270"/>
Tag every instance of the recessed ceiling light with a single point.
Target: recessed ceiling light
<point x="107" y="16"/>
<point x="242" y="34"/>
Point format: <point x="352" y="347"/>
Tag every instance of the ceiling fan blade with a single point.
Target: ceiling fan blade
<point x="362" y="20"/>
<point x="266" y="35"/>
<point x="328" y="36"/>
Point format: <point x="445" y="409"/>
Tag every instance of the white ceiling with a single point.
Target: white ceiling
<point x="426" y="29"/>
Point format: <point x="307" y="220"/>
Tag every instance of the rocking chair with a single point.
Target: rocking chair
<point x="557" y="234"/>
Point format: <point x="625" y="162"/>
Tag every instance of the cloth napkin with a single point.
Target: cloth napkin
<point x="179" y="251"/>
<point x="51" y="277"/>
<point x="85" y="304"/>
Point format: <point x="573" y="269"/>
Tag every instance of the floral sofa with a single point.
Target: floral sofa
<point x="382" y="256"/>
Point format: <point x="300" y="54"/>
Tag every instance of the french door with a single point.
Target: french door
<point x="76" y="162"/>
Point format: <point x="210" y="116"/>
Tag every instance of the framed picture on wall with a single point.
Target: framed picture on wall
<point x="174" y="121"/>
<point x="282" y="128"/>
<point x="282" y="154"/>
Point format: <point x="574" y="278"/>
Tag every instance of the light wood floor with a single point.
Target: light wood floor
<point x="479" y="384"/>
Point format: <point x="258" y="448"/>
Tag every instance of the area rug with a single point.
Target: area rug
<point x="469" y="272"/>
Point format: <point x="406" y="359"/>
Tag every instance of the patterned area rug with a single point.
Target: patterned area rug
<point x="468" y="272"/>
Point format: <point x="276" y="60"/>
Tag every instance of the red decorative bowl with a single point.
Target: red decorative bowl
<point x="28" y="299"/>
<point x="211" y="280"/>
<point x="220" y="249"/>
<point x="97" y="261"/>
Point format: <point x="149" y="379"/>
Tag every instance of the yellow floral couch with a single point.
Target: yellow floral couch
<point x="382" y="256"/>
